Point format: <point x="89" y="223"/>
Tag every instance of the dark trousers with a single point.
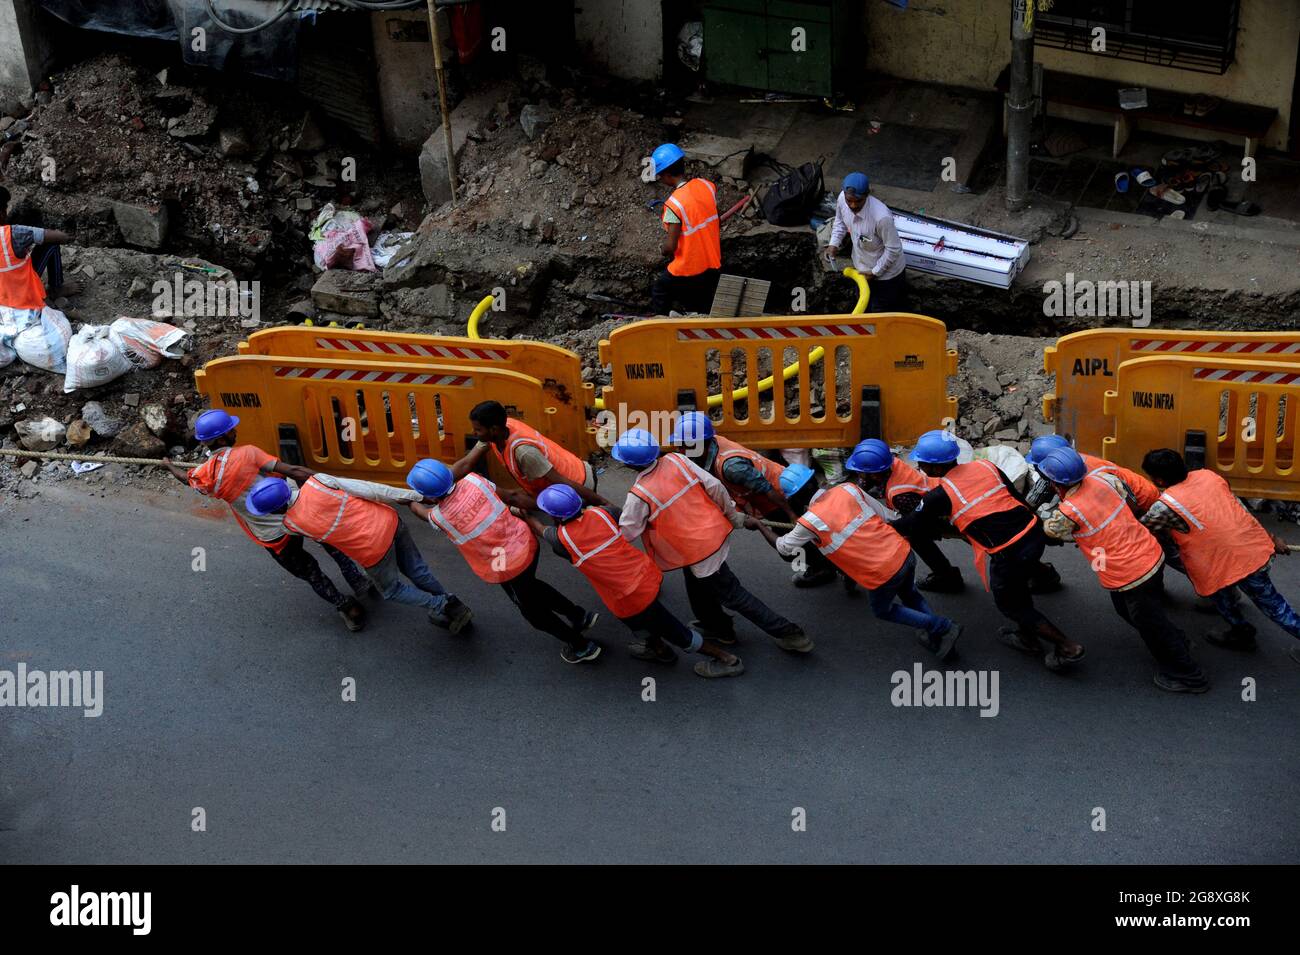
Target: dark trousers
<point x="660" y="622"/>
<point x="47" y="261"/>
<point x="296" y="560"/>
<point x="911" y="609"/>
<point x="889" y="295"/>
<point x="686" y="293"/>
<point x="1141" y="609"/>
<point x="1010" y="571"/>
<point x="544" y="607"/>
<point x="925" y="546"/>
<point x="709" y="595"/>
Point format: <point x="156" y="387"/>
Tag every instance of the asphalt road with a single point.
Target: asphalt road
<point x="223" y="690"/>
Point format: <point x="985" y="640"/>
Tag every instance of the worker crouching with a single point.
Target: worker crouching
<point x="499" y="547"/>
<point x="847" y="525"/>
<point x="626" y="580"/>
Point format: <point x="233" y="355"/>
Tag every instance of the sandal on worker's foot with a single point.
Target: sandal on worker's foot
<point x="644" y="650"/>
<point x="1018" y="641"/>
<point x="712" y="669"/>
<point x="1055" y="661"/>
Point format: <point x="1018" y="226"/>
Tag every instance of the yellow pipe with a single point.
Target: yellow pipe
<point x="740" y="394"/>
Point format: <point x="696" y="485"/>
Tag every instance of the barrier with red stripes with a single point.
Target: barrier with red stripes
<point x="558" y="369"/>
<point x="1086" y="363"/>
<point x="364" y="417"/>
<point x="849" y="378"/>
<point x="1242" y="411"/>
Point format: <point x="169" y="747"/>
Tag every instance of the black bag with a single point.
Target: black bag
<point x="792" y="199"/>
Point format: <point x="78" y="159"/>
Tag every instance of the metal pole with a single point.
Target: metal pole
<point x="436" y="36"/>
<point x="1020" y="103"/>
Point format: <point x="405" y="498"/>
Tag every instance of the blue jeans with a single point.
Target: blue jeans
<point x="1259" y="588"/>
<point x="913" y="611"/>
<point x="404" y="557"/>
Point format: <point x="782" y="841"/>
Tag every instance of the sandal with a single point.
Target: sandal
<point x="1241" y="207"/>
<point x="1144" y="177"/>
<point x="1169" y="195"/>
<point x="642" y="650"/>
<point x="1056" y="663"/>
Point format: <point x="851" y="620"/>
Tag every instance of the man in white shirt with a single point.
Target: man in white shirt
<point x="876" y="249"/>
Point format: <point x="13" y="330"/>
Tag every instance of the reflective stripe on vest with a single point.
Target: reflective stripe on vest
<point x="1224" y="543"/>
<point x="1106" y="527"/>
<point x="360" y="528"/>
<point x="699" y="246"/>
<point x="865" y="547"/>
<point x="625" y="579"/>
<point x="679" y="538"/>
<point x="967" y="504"/>
<point x="20" y="286"/>
<point x="316" y="486"/>
<point x="1143" y="490"/>
<point x="565" y="462"/>
<point x="905" y="479"/>
<point x="497" y="545"/>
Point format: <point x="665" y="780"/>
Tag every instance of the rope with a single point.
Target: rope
<point x="89" y="458"/>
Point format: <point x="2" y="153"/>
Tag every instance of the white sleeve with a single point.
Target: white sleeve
<point x="792" y="543"/>
<point x="369" y="490"/>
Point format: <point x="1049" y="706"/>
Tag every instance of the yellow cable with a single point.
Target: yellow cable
<point x="740" y="394"/>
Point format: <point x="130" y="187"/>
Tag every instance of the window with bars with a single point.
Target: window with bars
<point x="1197" y="35"/>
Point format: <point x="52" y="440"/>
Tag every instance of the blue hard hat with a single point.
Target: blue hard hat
<point x="560" y="501"/>
<point x="267" y="496"/>
<point x="693" y="427"/>
<point x="636" y="447"/>
<point x="1042" y="446"/>
<point x="1063" y="466"/>
<point x="431" y="478"/>
<point x="936" y="447"/>
<point x="870" y="457"/>
<point x="794" y="477"/>
<point x="213" y="424"/>
<point x="665" y="155"/>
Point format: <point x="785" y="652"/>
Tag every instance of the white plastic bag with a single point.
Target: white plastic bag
<point x="146" y="343"/>
<point x="1009" y="461"/>
<point x="44" y="344"/>
<point x="94" y="358"/>
<point x="7" y="333"/>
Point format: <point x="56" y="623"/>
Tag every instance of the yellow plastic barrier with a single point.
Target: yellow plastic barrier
<point x="559" y="370"/>
<point x="1085" y="364"/>
<point x="662" y="365"/>
<point x="1245" y="408"/>
<point x="364" y="418"/>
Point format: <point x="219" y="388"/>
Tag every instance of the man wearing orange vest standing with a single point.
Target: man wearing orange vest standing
<point x="849" y="527"/>
<point x="1005" y="534"/>
<point x="500" y="548"/>
<point x="684" y="515"/>
<point x="26" y="252"/>
<point x="1221" y="544"/>
<point x="625" y="579"/>
<point x="355" y="517"/>
<point x="230" y="473"/>
<point x="532" y="459"/>
<point x="692" y="237"/>
<point x="1095" y="512"/>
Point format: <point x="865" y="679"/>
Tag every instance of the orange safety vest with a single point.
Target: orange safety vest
<point x="1225" y="543"/>
<point x="623" y="577"/>
<point x="975" y="490"/>
<point x="20" y="286"/>
<point x="362" y="529"/>
<point x="1116" y="544"/>
<point x="227" y="476"/>
<point x="684" y="526"/>
<point x="854" y="537"/>
<point x="564" y="461"/>
<point x="497" y="545"/>
<point x="728" y="449"/>
<point x="1143" y="490"/>
<point x="905" y="479"/>
<point x="699" y="247"/>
